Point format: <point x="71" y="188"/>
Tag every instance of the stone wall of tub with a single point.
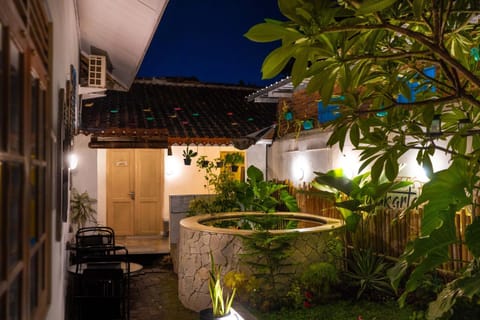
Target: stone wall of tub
<point x="198" y="240"/>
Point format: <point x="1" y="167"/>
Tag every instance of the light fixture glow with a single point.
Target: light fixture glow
<point x="72" y="160"/>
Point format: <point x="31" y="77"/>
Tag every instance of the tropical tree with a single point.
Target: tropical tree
<point x="408" y="75"/>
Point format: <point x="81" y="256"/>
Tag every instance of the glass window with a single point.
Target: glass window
<point x="41" y="135"/>
<point x="33" y="284"/>
<point x="15" y="100"/>
<point x="34" y="113"/>
<point x="34" y="197"/>
<point x="14" y="299"/>
<point x="2" y="95"/>
<point x="3" y="230"/>
<point x="14" y="212"/>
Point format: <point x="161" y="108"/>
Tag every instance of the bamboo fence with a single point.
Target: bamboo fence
<point x="386" y="232"/>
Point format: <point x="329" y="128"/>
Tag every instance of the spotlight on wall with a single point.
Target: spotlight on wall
<point x="72" y="160"/>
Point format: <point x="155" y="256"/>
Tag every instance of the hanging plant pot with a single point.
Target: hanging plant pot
<point x="308" y="124"/>
<point x="288" y="115"/>
<point x="187" y="161"/>
<point x="234" y="168"/>
<point x="205" y="163"/>
<point x="219" y="164"/>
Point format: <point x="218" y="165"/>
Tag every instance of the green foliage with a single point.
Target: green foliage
<point x="81" y="208"/>
<point x="370" y="52"/>
<point x="355" y="198"/>
<point x="342" y="309"/>
<point x="222" y="183"/>
<point x="234" y="158"/>
<point x="266" y="253"/>
<point x="368" y="272"/>
<point x="221" y="304"/>
<point x="189" y="153"/>
<point x="256" y="194"/>
<point x="319" y="277"/>
<point x="446" y="193"/>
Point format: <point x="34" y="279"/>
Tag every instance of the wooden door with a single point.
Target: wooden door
<point x="148" y="187"/>
<point x="134" y="191"/>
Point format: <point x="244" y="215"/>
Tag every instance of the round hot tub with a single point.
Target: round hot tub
<point x="200" y="235"/>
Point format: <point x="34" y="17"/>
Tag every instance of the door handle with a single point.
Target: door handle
<point x="132" y="195"/>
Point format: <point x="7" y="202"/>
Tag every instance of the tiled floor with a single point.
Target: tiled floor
<point x="154" y="292"/>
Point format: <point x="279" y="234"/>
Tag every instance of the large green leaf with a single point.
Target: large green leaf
<point x="254" y="174"/>
<point x="371" y="6"/>
<point x="333" y="179"/>
<point x="465" y="286"/>
<point x="276" y="61"/>
<point x="268" y="32"/>
<point x="428" y="251"/>
<point x="447" y="187"/>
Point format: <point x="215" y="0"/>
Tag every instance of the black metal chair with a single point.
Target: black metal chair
<point x="95" y="236"/>
<point x="102" y="285"/>
<point x="90" y="241"/>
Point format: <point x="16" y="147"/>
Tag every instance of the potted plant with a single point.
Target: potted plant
<point x="219" y="162"/>
<point x="188" y="154"/>
<point x="81" y="209"/>
<point x="221" y="304"/>
<point x="202" y="162"/>
<point x="234" y="159"/>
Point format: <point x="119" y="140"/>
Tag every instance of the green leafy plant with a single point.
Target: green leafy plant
<point x="188" y="154"/>
<point x="233" y="159"/>
<point x="379" y="56"/>
<point x="368" y="272"/>
<point x="267" y="254"/>
<point x="222" y="183"/>
<point x="221" y="304"/>
<point x="81" y="208"/>
<point x="202" y="162"/>
<point x="257" y="194"/>
<point x="355" y="198"/>
<point x="319" y="278"/>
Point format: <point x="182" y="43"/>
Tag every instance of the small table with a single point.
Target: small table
<point x="135" y="268"/>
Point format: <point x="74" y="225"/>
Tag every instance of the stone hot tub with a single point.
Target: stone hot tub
<point x="198" y="238"/>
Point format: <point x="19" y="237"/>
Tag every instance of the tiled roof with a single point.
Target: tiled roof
<point x="185" y="109"/>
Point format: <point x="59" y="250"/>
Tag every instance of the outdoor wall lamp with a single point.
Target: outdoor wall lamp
<point x="436" y="126"/>
<point x="169" y="151"/>
<point x="72" y="160"/>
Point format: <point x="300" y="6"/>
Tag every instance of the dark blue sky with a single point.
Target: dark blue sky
<point x="204" y="39"/>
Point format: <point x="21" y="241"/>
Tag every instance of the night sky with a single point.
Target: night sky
<point x="204" y="39"/>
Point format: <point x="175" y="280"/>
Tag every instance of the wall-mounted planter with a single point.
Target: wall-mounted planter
<point x="288" y="115"/>
<point x="308" y="124"/>
<point x="187" y="161"/>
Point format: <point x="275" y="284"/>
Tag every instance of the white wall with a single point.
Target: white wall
<point x="90" y="174"/>
<point x="65" y="53"/>
<point x="298" y="159"/>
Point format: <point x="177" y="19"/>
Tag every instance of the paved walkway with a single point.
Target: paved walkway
<point x="154" y="292"/>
